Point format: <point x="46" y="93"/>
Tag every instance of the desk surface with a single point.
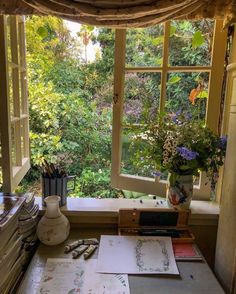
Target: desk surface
<point x="195" y="277"/>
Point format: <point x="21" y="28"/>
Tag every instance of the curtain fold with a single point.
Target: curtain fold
<point x="123" y="14"/>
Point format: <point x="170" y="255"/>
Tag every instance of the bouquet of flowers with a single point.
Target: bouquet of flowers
<point x="181" y="146"/>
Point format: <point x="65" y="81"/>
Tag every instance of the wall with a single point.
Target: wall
<point x="225" y="266"/>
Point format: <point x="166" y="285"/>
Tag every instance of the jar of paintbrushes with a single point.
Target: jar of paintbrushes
<point x="55" y="182"/>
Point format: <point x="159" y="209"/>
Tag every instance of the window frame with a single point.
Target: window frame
<point x="156" y="186"/>
<point x="13" y="172"/>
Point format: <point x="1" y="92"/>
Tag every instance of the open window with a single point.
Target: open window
<point x="147" y="66"/>
<point x="14" y="119"/>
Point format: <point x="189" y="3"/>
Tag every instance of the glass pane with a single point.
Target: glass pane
<point x="144" y="46"/>
<point x="23" y="92"/>
<point x="131" y="163"/>
<point x="8" y="39"/>
<point x="22" y="138"/>
<point x="190" y="42"/>
<point x="16" y="91"/>
<point x="13" y="145"/>
<point x="141" y="97"/>
<point x="14" y="40"/>
<point x="10" y="85"/>
<point x="20" y="93"/>
<point x="187" y="92"/>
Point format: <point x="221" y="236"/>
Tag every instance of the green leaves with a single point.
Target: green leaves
<point x="203" y="94"/>
<point x="157" y="41"/>
<point x="174" y="79"/>
<point x="43" y="32"/>
<point x="197" y="39"/>
<point x="172" y="30"/>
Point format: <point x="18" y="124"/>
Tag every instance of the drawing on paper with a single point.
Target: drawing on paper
<point x="66" y="276"/>
<point x="136" y="255"/>
<point x="143" y="260"/>
<point x="62" y="276"/>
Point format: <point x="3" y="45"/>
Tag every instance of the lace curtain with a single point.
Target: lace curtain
<point x="124" y="13"/>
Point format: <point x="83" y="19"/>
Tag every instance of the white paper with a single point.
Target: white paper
<point x="136" y="255"/>
<point x="68" y="276"/>
<point x="95" y="283"/>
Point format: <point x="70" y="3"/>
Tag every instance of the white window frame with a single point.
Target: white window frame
<point x="14" y="71"/>
<point x="156" y="186"/>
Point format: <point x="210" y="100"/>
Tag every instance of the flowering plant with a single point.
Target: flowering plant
<point x="181" y="146"/>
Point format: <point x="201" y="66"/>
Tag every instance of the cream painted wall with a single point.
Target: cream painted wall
<point x="225" y="266"/>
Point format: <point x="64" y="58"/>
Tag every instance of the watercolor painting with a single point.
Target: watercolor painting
<point x="68" y="276"/>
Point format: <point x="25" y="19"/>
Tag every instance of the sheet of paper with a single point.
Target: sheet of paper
<point x="68" y="276"/>
<point x="136" y="255"/>
<point x="95" y="283"/>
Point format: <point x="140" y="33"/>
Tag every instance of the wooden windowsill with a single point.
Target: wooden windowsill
<point x="91" y="210"/>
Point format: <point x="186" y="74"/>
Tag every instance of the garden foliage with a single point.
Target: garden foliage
<point x="70" y="98"/>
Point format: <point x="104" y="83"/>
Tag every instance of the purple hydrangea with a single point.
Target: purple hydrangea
<point x="223" y="142"/>
<point x="156" y="174"/>
<point x="187" y="153"/>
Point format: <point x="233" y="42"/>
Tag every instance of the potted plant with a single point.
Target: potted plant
<point x="183" y="147"/>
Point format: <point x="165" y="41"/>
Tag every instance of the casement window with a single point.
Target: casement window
<point x="14" y="119"/>
<point x="159" y="78"/>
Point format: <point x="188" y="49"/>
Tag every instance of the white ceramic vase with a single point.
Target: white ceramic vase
<point x="179" y="191"/>
<point x="54" y="227"/>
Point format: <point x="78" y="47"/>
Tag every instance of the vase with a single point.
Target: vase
<point x="54" y="227"/>
<point x="179" y="191"/>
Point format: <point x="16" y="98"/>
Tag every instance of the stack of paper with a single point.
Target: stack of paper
<point x="10" y="240"/>
<point x="17" y="236"/>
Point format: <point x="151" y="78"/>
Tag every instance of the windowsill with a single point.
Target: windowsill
<point x="105" y="211"/>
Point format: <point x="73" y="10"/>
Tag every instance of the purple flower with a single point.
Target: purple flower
<point x="188" y="116"/>
<point x="223" y="142"/>
<point x="178" y="112"/>
<point x="187" y="153"/>
<point x="174" y="119"/>
<point x="156" y="174"/>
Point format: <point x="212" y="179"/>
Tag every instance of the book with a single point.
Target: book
<point x="186" y="251"/>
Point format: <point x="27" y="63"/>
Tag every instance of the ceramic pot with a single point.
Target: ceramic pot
<point x="54" y="227"/>
<point x="179" y="191"/>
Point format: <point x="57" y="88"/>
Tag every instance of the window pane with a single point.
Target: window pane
<point x="13" y="145"/>
<point x="22" y="137"/>
<point x="190" y="42"/>
<point x="144" y="46"/>
<point x="130" y="162"/>
<point x="8" y="39"/>
<point x="0" y="178"/>
<point x="10" y="86"/>
<point x="187" y="92"/>
<point x="141" y="97"/>
<point x="23" y="92"/>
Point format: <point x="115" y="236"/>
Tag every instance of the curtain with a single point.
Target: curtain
<point x="124" y="13"/>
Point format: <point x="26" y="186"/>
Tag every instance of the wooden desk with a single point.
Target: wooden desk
<point x="195" y="277"/>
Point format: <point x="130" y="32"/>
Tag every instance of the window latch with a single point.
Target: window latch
<point x="115" y="98"/>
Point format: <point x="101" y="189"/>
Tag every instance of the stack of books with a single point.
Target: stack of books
<point x="18" y="221"/>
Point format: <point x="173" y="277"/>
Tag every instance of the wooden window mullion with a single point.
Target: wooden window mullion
<point x="16" y="90"/>
<point x="24" y="92"/>
<point x="5" y="126"/>
<point x="164" y="66"/>
<point x="216" y="76"/>
<point x="119" y="77"/>
<point x="15" y="159"/>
